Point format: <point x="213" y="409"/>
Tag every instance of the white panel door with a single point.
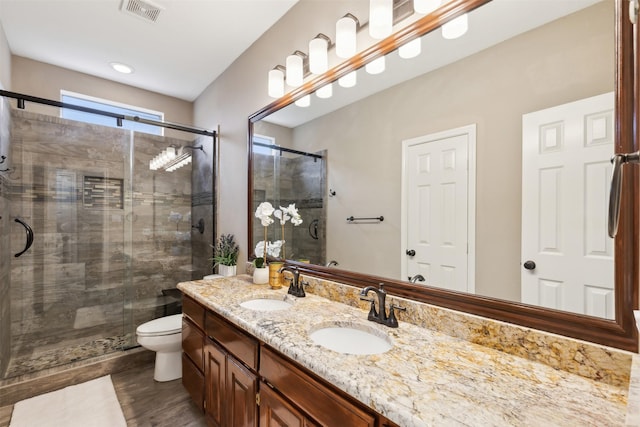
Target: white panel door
<point x="436" y="208"/>
<point x="566" y="170"/>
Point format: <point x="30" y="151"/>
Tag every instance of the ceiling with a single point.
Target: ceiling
<point x="187" y="47"/>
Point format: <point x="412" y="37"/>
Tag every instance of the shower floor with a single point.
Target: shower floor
<point x="40" y="360"/>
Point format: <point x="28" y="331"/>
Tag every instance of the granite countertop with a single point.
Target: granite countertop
<point x="427" y="378"/>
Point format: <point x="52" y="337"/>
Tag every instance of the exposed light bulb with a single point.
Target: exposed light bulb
<point x="325" y="91"/>
<point x="318" y="56"/>
<point x="456" y="27"/>
<point x="294" y="70"/>
<point x="380" y="18"/>
<point x="411" y="49"/>
<point x="426" y="6"/>
<point x="348" y="80"/>
<point x="376" y="66"/>
<point x="276" y="83"/>
<point x="346" y="29"/>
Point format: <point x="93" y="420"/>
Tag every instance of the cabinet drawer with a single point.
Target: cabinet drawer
<point x="242" y="346"/>
<point x="324" y="405"/>
<point x="193" y="310"/>
<point x="193" y="342"/>
<point x="193" y="381"/>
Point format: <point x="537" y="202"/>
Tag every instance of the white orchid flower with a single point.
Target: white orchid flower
<point x="264" y="212"/>
<point x="281" y="214"/>
<point x="296" y="219"/>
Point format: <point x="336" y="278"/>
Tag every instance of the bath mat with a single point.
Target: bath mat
<point x="93" y="403"/>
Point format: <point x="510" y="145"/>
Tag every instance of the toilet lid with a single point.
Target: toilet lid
<point x="162" y="326"/>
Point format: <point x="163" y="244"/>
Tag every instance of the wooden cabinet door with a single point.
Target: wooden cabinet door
<point x="242" y="387"/>
<point x="215" y="380"/>
<point x="276" y="412"/>
<point x="193" y="381"/>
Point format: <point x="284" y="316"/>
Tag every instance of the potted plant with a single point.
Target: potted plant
<point x="261" y="272"/>
<point x="225" y="255"/>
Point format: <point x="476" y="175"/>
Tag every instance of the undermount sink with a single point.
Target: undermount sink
<point x="266" y="304"/>
<point x="351" y="339"/>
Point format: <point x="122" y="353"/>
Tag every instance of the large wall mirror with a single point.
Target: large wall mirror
<point x="475" y="175"/>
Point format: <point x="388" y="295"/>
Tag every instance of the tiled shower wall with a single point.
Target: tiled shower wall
<point x="109" y="237"/>
<point x="5" y="242"/>
<point x="301" y="180"/>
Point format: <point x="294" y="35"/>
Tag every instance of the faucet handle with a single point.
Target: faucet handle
<point x="392" y="321"/>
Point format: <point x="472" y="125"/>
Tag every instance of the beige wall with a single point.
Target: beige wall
<point x="5" y="61"/>
<point x="46" y="81"/>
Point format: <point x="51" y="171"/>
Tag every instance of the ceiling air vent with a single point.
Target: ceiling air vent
<point x="142" y="9"/>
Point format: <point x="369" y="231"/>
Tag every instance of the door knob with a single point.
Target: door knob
<point x="410" y="252"/>
<point x="529" y="265"/>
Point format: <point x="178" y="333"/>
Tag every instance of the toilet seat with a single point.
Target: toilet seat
<point x="168" y="325"/>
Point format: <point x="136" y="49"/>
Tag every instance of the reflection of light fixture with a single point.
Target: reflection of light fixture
<point x="348" y="80"/>
<point x="411" y="49"/>
<point x="276" y="82"/>
<point x="346" y="29"/>
<point x="318" y="54"/>
<point x="425" y="6"/>
<point x="305" y="101"/>
<point x="295" y="68"/>
<point x="376" y="66"/>
<point x="171" y="160"/>
<point x="380" y="18"/>
<point x="162" y="159"/>
<point x="121" y="68"/>
<point x="325" y="91"/>
<point x="456" y="27"/>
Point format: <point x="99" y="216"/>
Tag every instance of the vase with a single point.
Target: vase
<point x="275" y="278"/>
<point x="227" y="270"/>
<point x="261" y="276"/>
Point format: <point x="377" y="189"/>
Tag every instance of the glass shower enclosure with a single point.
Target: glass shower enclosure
<point x="93" y="241"/>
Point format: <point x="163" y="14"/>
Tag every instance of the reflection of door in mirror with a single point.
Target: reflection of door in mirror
<point x="565" y="177"/>
<point x="285" y="177"/>
<point x="438" y="208"/>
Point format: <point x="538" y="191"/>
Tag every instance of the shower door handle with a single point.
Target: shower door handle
<point x="29" y="236"/>
<point x="615" y="194"/>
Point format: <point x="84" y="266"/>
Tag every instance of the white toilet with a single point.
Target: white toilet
<point x="164" y="336"/>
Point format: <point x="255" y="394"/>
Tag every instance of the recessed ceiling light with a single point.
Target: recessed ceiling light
<point x="121" y="68"/>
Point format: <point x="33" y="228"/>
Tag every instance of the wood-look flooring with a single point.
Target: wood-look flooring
<point x="146" y="402"/>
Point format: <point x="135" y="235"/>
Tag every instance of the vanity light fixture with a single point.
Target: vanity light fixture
<point x="325" y="91"/>
<point x="303" y="102"/>
<point x="346" y="30"/>
<point x="348" y="80"/>
<point x="380" y="18"/>
<point x="276" y="82"/>
<point x="376" y="66"/>
<point x="426" y="6"/>
<point x="295" y="68"/>
<point x="411" y="49"/>
<point x="456" y="27"/>
<point x="121" y="68"/>
<point x="319" y="54"/>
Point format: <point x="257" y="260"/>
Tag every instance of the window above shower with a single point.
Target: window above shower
<point x="110" y="106"/>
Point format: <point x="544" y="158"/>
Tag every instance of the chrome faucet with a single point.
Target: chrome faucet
<point x="380" y="315"/>
<point x="416" y="278"/>
<point x="296" y="288"/>
<point x="332" y="263"/>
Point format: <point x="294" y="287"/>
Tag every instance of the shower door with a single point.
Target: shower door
<point x="68" y="182"/>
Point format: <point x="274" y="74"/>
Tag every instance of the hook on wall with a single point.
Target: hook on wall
<point x="332" y="192"/>
<point x="199" y="226"/>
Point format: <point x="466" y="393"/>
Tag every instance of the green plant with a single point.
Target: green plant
<point x="225" y="252"/>
<point x="258" y="262"/>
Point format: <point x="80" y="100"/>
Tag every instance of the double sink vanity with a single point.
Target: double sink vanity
<point x="257" y="356"/>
